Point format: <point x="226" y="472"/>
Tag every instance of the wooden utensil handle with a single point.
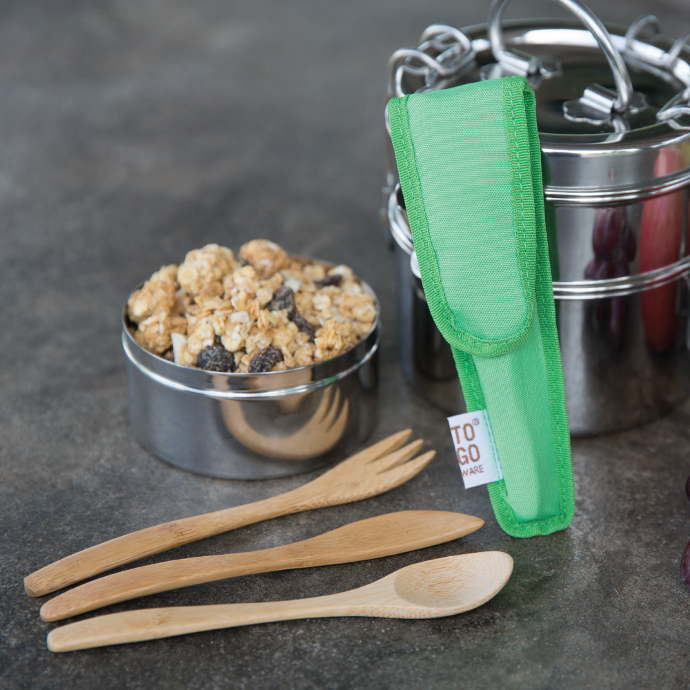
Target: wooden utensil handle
<point x="319" y="493"/>
<point x="153" y="624"/>
<point x="162" y="577"/>
<point x="131" y="547"/>
<point x="371" y="538"/>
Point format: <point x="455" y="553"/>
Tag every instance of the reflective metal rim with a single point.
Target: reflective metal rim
<point x="564" y="196"/>
<point x="571" y="290"/>
<point x="619" y="287"/>
<point x="246" y="395"/>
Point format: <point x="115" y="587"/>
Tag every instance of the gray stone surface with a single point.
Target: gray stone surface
<point x="133" y="131"/>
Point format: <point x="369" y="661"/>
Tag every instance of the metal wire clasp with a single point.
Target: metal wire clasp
<point x="444" y="52"/>
<point x="598" y="104"/>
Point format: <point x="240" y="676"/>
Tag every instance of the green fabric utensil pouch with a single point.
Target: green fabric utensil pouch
<point x="470" y="171"/>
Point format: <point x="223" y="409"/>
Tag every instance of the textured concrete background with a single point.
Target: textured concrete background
<point x="132" y="131"/>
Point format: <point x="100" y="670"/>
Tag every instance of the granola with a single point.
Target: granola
<point x="262" y="305"/>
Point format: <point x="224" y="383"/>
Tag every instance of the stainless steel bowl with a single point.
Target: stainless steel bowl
<point x="253" y="426"/>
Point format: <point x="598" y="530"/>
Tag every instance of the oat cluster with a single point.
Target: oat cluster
<point x="261" y="310"/>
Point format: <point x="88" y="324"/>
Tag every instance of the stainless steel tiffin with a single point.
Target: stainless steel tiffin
<point x="614" y="125"/>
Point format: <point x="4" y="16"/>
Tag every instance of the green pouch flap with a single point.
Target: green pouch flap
<point x="470" y="170"/>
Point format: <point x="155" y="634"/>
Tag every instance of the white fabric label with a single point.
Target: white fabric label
<point x="475" y="448"/>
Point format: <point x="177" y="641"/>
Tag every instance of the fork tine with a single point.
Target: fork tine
<point x="388" y="462"/>
<point x="378" y="450"/>
<point x="399" y="475"/>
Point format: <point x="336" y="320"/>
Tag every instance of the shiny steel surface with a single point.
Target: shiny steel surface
<point x="424" y="356"/>
<point x="616" y="196"/>
<point x="624" y="96"/>
<point x="252" y="426"/>
<point x="614" y="379"/>
<point x="574" y="253"/>
<point x="587" y="164"/>
<point x="675" y="109"/>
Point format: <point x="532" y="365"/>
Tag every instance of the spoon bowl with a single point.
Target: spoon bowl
<point x="432" y="589"/>
<point x="454" y="584"/>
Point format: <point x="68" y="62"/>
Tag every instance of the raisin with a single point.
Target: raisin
<point x="242" y="262"/>
<point x="302" y="324"/>
<point x="215" y="358"/>
<point x="265" y="359"/>
<point x="283" y="298"/>
<point x="334" y="279"/>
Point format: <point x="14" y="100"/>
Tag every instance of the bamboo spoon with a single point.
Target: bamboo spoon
<point x="370" y="472"/>
<point x="431" y="589"/>
<point x="373" y="538"/>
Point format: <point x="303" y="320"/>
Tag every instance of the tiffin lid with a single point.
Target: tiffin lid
<point x="612" y="103"/>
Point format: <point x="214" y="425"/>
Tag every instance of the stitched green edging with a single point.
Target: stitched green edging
<point x="454" y="334"/>
<point x="547" y="313"/>
<point x="523" y="203"/>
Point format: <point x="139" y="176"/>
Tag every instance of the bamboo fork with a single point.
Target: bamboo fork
<point x="373" y="471"/>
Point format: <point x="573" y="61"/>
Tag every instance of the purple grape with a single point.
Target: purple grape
<point x="602" y="313"/>
<point x="619" y="310"/>
<point x="606" y="232"/>
<point x="685" y="558"/>
<point x="617" y="319"/>
<point x="685" y="566"/>
<point x="630" y="243"/>
<point x="604" y="271"/>
<point x="591" y="268"/>
<point x="599" y="269"/>
<point x="621" y="269"/>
